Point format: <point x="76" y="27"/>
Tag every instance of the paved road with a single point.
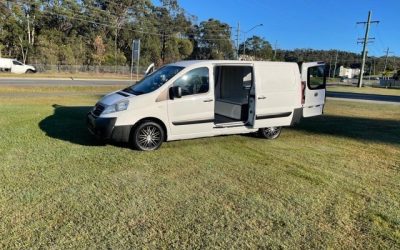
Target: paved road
<point x="390" y="99"/>
<point x="63" y="82"/>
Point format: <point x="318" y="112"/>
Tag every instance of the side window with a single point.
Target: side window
<point x="316" y="77"/>
<point x="194" y="82"/>
<point x="17" y="63"/>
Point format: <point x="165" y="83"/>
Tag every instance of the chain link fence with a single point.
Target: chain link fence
<point x="390" y="83"/>
<point x="119" y="69"/>
<point x="380" y="83"/>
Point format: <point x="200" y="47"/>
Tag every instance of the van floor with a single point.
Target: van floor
<point x="218" y="119"/>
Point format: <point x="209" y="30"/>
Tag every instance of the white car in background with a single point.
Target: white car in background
<point x="14" y="66"/>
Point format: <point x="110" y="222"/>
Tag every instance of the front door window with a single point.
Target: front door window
<point x="194" y="82"/>
<point x="17" y="63"/>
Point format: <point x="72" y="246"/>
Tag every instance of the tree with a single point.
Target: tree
<point x="173" y="27"/>
<point x="185" y="48"/>
<point x="99" y="51"/>
<point x="257" y="47"/>
<point x="47" y="50"/>
<point x="213" y="40"/>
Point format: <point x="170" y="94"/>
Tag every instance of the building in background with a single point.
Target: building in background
<point x="348" y="73"/>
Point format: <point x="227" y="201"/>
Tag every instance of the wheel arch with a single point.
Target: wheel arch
<point x="153" y="119"/>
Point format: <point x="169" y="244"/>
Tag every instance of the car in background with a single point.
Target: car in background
<point x="15" y="66"/>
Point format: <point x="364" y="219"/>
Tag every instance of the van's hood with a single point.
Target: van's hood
<point x="114" y="98"/>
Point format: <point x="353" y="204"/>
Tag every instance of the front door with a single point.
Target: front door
<point x="314" y="80"/>
<point x="18" y="67"/>
<point x="193" y="114"/>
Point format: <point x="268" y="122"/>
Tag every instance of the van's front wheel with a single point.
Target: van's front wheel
<point x="148" y="136"/>
<point x="270" y="133"/>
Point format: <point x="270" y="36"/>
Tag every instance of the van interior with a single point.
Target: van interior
<point x="232" y="91"/>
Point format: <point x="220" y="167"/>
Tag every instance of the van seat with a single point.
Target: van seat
<point x="229" y="109"/>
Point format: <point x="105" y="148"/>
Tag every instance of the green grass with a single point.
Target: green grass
<point x="365" y="90"/>
<point x="331" y="182"/>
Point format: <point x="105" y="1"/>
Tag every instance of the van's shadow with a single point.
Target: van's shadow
<point x="69" y="124"/>
<point x="367" y="129"/>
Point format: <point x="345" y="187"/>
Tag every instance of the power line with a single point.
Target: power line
<point x="78" y="17"/>
<point x="380" y="41"/>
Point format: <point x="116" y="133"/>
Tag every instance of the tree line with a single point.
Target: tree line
<point x="100" y="32"/>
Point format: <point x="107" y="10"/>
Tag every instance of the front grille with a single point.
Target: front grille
<point x="98" y="109"/>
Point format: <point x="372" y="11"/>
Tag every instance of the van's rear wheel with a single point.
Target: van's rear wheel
<point x="148" y="136"/>
<point x="270" y="133"/>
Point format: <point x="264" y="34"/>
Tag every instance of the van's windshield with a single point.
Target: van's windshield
<point x="154" y="81"/>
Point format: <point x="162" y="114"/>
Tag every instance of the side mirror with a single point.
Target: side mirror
<point x="175" y="92"/>
<point x="149" y="69"/>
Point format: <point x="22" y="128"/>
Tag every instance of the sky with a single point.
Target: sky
<point x="315" y="24"/>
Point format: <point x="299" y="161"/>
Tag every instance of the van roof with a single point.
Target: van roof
<point x="229" y="62"/>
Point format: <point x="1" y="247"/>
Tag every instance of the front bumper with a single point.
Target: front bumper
<point x="105" y="129"/>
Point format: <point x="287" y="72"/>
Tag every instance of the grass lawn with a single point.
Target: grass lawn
<point x="365" y="90"/>
<point x="332" y="182"/>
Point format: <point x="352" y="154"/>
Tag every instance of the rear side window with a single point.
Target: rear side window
<point x="194" y="82"/>
<point x="17" y="63"/>
<point x="316" y="77"/>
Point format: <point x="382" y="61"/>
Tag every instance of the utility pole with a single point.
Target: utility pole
<point x="275" y="49"/>
<point x="387" y="51"/>
<point x="135" y="56"/>
<point x="336" y="58"/>
<point x="374" y="67"/>
<point x="330" y="66"/>
<point x="132" y="58"/>
<point x="386" y="62"/>
<point x="370" y="70"/>
<point x="365" y="43"/>
<point x="29" y="30"/>
<point x="237" y="40"/>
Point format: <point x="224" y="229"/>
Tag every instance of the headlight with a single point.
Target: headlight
<point x="121" y="106"/>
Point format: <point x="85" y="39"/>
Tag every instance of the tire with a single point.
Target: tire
<point x="270" y="133"/>
<point x="148" y="136"/>
<point x="29" y="71"/>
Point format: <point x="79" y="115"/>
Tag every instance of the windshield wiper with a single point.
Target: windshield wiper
<point x="133" y="92"/>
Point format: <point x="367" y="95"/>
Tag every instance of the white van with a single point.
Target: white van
<point x="14" y="66"/>
<point x="192" y="99"/>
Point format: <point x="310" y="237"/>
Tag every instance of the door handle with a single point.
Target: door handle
<point x="208" y="100"/>
<point x="316" y="94"/>
<point x="261" y="97"/>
